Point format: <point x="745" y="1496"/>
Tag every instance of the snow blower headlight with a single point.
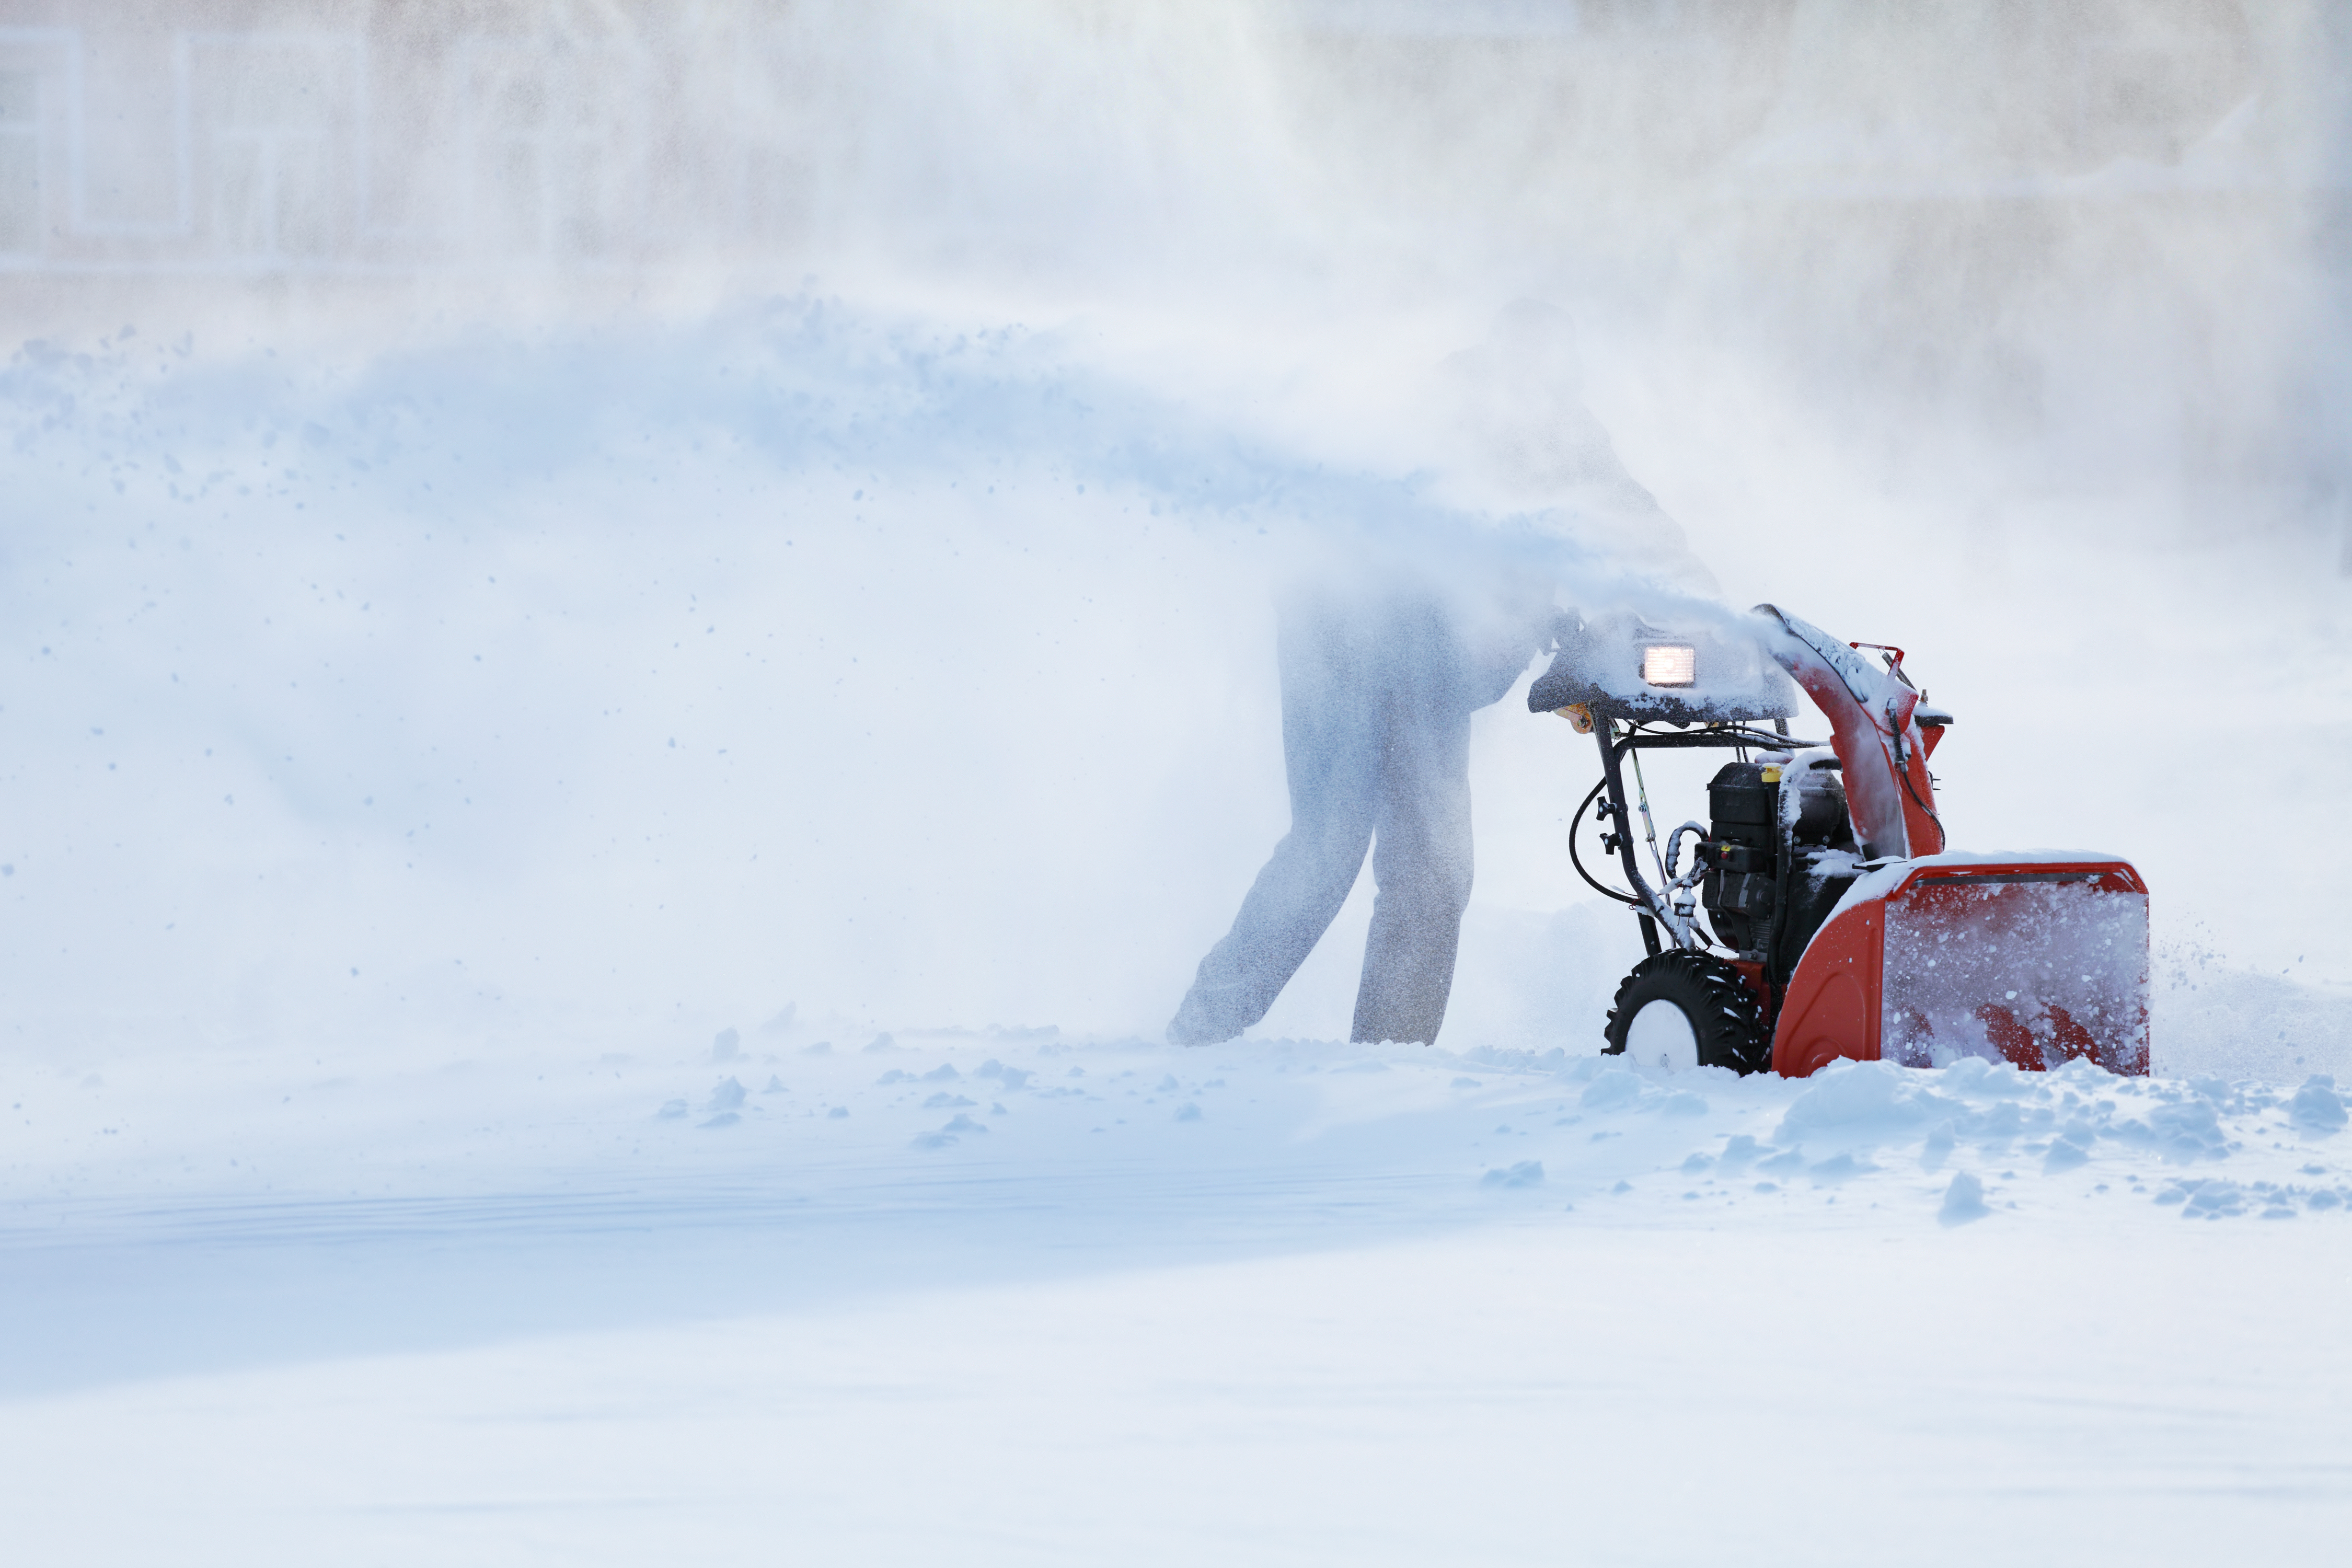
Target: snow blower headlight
<point x="1670" y="664"/>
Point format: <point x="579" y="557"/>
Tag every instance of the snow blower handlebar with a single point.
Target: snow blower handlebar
<point x="1875" y="714"/>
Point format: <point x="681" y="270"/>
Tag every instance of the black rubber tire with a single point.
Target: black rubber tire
<point x="1723" y="1013"/>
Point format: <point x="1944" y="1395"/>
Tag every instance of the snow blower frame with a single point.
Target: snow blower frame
<point x="1837" y="922"/>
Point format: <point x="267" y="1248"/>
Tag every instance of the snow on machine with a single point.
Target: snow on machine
<point x="1838" y="922"/>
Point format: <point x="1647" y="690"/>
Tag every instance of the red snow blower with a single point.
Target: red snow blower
<point x="1838" y="920"/>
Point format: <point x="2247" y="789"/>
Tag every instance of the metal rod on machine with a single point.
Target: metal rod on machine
<point x="1649" y="829"/>
<point x="1719" y="737"/>
<point x="1622" y="821"/>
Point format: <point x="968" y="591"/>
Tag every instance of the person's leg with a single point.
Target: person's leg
<point x="1330" y="752"/>
<point x="1423" y="863"/>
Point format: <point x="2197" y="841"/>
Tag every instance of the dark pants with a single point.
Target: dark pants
<point x="1377" y="693"/>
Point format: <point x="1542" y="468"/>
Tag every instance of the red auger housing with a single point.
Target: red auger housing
<point x="1837" y="922"/>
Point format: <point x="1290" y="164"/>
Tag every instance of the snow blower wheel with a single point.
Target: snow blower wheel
<point x="1684" y="1010"/>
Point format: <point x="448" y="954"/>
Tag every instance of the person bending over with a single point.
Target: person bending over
<point x="1383" y="664"/>
<point x="1378" y="681"/>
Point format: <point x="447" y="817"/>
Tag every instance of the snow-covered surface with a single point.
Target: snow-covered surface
<point x="1731" y="674"/>
<point x="442" y="822"/>
<point x="447" y="804"/>
<point x="454" y="777"/>
<point x="1008" y="1297"/>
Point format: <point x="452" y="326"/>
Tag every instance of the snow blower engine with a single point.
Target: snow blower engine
<point x="1837" y="922"/>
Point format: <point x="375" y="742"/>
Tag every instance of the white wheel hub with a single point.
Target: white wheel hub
<point x="1662" y="1037"/>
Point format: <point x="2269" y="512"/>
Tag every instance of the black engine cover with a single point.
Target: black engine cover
<point x="1740" y="853"/>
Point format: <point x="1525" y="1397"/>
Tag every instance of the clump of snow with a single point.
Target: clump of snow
<point x="1863" y="1099"/>
<point x="1963" y="1201"/>
<point x="2316" y="1108"/>
<point x="1526" y="1174"/>
<point x="1618" y="1086"/>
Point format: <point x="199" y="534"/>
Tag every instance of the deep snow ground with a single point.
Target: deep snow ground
<point x="1008" y="1297"/>
<point x="406" y="770"/>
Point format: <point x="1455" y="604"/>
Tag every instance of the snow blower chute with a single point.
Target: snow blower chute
<point x="1838" y="920"/>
